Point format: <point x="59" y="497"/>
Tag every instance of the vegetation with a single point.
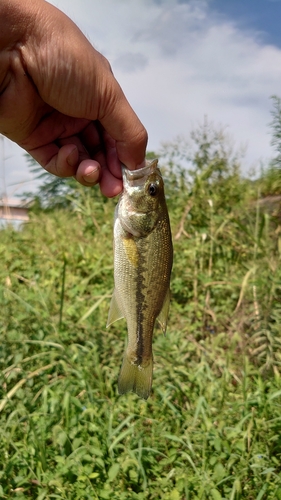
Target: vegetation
<point x="271" y="177"/>
<point x="212" y="427"/>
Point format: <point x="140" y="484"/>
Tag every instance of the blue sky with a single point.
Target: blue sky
<point x="179" y="61"/>
<point x="261" y="16"/>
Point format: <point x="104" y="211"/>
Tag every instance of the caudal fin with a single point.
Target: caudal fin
<point x="135" y="378"/>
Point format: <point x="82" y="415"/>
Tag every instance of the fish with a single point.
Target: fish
<point x="143" y="258"/>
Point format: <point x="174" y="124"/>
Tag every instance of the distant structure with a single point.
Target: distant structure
<point x="13" y="212"/>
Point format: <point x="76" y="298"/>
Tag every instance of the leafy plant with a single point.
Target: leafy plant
<point x="211" y="429"/>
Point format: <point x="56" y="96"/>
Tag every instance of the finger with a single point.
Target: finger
<point x="112" y="160"/>
<point x="92" y="138"/>
<point x="121" y="123"/>
<point x="65" y="163"/>
<point x="54" y="126"/>
<point x="110" y="186"/>
<point x="101" y="147"/>
<point x="61" y="162"/>
<point x="88" y="172"/>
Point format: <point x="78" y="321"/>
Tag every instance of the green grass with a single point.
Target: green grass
<point x="212" y="427"/>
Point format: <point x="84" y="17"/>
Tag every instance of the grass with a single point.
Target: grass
<point x="211" y="429"/>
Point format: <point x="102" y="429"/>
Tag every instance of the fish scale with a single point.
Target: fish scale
<point x="143" y="257"/>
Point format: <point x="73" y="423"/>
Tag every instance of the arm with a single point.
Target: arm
<point x="60" y="101"/>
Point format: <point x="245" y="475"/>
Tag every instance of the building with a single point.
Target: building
<point x="13" y="212"/>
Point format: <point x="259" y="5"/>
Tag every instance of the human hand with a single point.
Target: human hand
<point x="60" y="101"/>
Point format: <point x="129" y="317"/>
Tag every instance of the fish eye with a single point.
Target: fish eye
<point x="153" y="189"/>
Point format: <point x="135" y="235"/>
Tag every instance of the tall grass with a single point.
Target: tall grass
<point x="211" y="429"/>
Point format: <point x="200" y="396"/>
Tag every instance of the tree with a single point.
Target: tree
<point x="276" y="130"/>
<point x="271" y="176"/>
<point x="206" y="167"/>
<point x="52" y="192"/>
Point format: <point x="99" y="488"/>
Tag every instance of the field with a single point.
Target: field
<point x="212" y="428"/>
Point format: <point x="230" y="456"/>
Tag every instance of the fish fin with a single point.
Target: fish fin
<point x="115" y="312"/>
<point x="163" y="316"/>
<point x="135" y="378"/>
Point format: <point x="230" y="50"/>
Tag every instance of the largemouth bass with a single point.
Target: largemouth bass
<point x="143" y="255"/>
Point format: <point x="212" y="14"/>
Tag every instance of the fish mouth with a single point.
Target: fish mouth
<point x="140" y="173"/>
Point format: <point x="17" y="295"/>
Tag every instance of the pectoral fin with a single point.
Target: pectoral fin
<point x="163" y="316"/>
<point x="115" y="312"/>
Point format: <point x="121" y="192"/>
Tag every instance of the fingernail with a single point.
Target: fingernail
<point x="72" y="157"/>
<point x="92" y="176"/>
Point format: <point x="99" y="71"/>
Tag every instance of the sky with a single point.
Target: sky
<point x="179" y="61"/>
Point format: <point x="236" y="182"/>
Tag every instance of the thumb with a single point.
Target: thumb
<point x="122" y="124"/>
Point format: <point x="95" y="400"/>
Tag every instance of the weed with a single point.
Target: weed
<point x="211" y="429"/>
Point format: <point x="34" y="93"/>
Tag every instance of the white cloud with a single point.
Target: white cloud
<point x="178" y="62"/>
<point x="129" y="62"/>
<point x="173" y="27"/>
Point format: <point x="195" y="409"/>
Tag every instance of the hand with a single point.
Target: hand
<point x="60" y="101"/>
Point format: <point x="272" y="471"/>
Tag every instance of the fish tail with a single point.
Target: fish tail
<point x="135" y="378"/>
